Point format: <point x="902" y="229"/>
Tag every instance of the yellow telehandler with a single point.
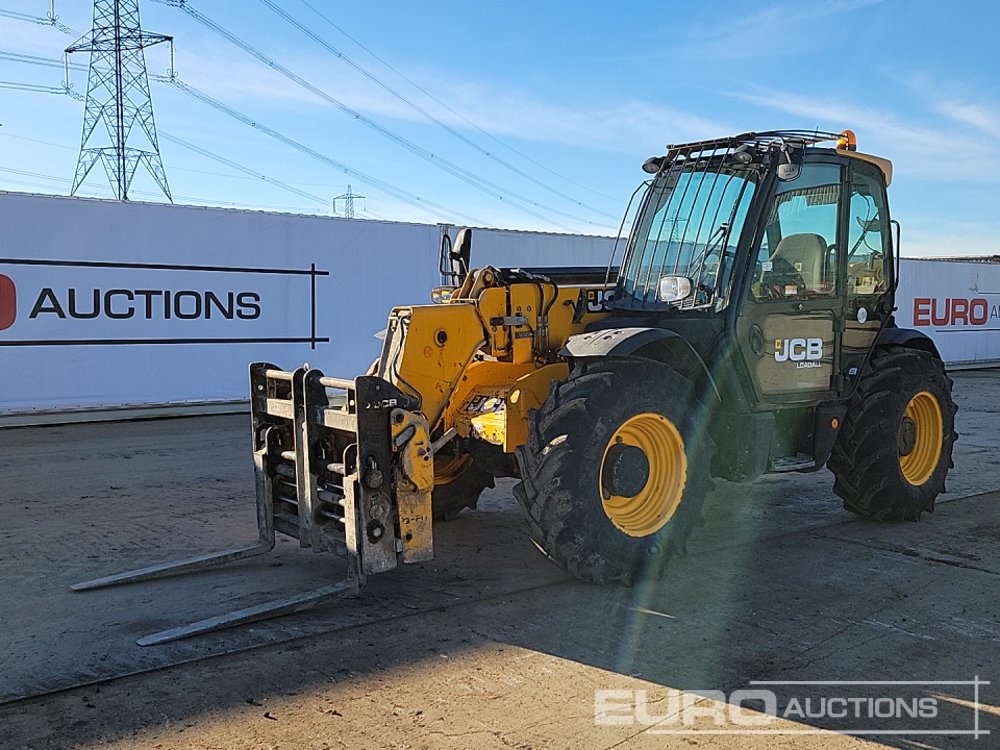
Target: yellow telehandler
<point x="744" y="326"/>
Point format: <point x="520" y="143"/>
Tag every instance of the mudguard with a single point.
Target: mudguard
<point x="906" y="337"/>
<point x="659" y="344"/>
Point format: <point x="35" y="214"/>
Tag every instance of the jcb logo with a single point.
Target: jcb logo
<point x="385" y="403"/>
<point x="8" y="302"/>
<point x="807" y="352"/>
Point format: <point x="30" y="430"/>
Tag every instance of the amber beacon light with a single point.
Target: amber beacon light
<point x="847" y="141"/>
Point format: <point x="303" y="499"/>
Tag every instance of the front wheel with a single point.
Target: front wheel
<point x="894" y="451"/>
<point x="614" y="471"/>
<point x="458" y="484"/>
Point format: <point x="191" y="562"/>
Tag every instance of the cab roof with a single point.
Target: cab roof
<point x="845" y="143"/>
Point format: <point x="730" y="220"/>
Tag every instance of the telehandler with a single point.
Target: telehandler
<point x="744" y="326"/>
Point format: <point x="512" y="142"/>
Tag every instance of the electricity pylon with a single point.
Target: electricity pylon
<point x="348" y="199"/>
<point x="118" y="97"/>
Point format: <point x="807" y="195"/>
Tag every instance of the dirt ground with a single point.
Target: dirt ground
<point x="490" y="645"/>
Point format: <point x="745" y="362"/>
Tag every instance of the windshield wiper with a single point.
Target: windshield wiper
<point x="716" y="241"/>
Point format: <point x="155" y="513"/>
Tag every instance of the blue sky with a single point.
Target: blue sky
<point x="575" y="96"/>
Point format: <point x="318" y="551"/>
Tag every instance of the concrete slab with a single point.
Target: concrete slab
<point x="489" y="645"/>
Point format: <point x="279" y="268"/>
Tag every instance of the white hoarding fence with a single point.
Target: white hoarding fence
<point x="957" y="304"/>
<point x="105" y="305"/>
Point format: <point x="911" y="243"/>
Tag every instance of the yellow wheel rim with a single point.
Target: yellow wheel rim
<point x="646" y="506"/>
<point x="921" y="436"/>
<point x="447" y="469"/>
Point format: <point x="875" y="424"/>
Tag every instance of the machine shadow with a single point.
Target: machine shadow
<point x="776" y="609"/>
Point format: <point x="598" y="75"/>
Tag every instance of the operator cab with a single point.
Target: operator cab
<point x="773" y="196"/>
<point x="751" y="242"/>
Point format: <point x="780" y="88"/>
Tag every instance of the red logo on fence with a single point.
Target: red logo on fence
<point x="929" y="311"/>
<point x="8" y="302"/>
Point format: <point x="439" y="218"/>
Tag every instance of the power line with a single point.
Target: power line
<point x="385" y="187"/>
<point x="65" y="64"/>
<point x="240" y="168"/>
<point x="39" y="175"/>
<point x="398" y="193"/>
<point x="43" y="61"/>
<point x="174" y="139"/>
<point x="251" y="175"/>
<point x="187" y="198"/>
<point x="39" y="89"/>
<point x="50" y="20"/>
<point x="13" y="184"/>
<point x="35" y="140"/>
<point x="417" y="108"/>
<point x="459" y="115"/>
<point x="465" y="175"/>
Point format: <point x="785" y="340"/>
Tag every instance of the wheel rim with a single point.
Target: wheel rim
<point x="921" y="435"/>
<point x="448" y="469"/>
<point x="640" y="508"/>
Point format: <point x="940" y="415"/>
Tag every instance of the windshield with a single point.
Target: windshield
<point x="689" y="225"/>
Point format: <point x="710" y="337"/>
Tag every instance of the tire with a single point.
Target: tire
<point x="465" y="483"/>
<point x="887" y="467"/>
<point x="565" y="462"/>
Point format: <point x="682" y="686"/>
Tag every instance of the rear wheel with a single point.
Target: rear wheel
<point x="614" y="471"/>
<point x="894" y="451"/>
<point x="458" y="484"/>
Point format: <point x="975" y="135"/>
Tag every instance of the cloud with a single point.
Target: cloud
<point x="580" y="119"/>
<point x="937" y="152"/>
<point x="979" y="116"/>
<point x="610" y="124"/>
<point x="958" y="102"/>
<point x="499" y="109"/>
<point x="228" y="74"/>
<point x="775" y="31"/>
<point x="918" y="147"/>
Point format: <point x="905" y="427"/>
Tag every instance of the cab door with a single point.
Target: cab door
<point x="866" y="267"/>
<point x="788" y="325"/>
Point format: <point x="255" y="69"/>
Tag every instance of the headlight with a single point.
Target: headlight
<point x="441" y="294"/>
<point x="674" y="288"/>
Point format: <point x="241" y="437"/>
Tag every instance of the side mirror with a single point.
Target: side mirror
<point x="453" y="262"/>
<point x="791" y="164"/>
<point x="788" y="172"/>
<point x="462" y="251"/>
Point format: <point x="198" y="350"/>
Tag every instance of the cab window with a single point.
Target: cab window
<point x="867" y="233"/>
<point x="798" y="254"/>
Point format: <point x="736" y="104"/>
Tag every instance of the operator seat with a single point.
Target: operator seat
<point x="805" y="253"/>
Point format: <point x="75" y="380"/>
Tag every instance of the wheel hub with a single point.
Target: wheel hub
<point x="642" y="475"/>
<point x="921" y="438"/>
<point x="626" y="470"/>
<point x="907" y="436"/>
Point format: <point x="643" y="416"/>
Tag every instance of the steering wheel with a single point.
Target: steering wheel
<point x="781" y="275"/>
